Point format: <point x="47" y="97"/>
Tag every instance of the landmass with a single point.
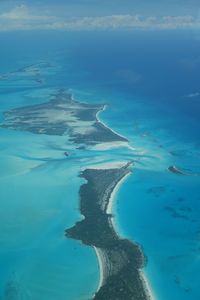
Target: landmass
<point x="121" y="260"/>
<point x="62" y="115"/>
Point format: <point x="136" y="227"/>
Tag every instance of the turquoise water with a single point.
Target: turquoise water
<point x="146" y="90"/>
<point x="39" y="199"/>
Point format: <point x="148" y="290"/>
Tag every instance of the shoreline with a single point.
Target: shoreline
<point x="115" y="144"/>
<point x="100" y="264"/>
<point x="109" y="210"/>
<point x="113" y="195"/>
<point x="106" y="126"/>
<point x="147" y="286"/>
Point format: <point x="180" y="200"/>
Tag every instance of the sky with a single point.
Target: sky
<point x="99" y="14"/>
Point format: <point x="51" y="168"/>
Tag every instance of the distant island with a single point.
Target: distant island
<point x="175" y="170"/>
<point x="62" y="115"/>
<point x="178" y="171"/>
<point x="121" y="260"/>
<point x="33" y="73"/>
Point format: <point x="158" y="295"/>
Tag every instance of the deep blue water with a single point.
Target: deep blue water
<point x="146" y="80"/>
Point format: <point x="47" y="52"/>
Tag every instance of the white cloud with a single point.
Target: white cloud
<point x="21" y="18"/>
<point x="22" y="13"/>
<point x="193" y="95"/>
<point x="16" y="13"/>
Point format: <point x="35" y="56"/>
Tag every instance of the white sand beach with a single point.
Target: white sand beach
<point x="114" y="193"/>
<point x="147" y="286"/>
<point x="100" y="269"/>
<point x="110" y="165"/>
<point x="148" y="289"/>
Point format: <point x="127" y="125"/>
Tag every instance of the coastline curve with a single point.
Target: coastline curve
<point x="120" y="260"/>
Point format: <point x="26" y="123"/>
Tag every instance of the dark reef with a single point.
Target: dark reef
<point x="175" y="170"/>
<point x="121" y="259"/>
<point x="179" y="171"/>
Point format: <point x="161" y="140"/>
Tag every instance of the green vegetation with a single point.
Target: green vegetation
<point x="121" y="258"/>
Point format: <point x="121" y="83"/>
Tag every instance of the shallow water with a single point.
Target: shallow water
<point x="39" y="185"/>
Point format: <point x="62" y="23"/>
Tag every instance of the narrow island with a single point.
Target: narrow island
<point x="120" y="260"/>
<point x="175" y="170"/>
<point x="178" y="171"/>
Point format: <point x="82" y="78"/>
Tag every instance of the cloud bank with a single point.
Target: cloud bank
<point x="22" y="18"/>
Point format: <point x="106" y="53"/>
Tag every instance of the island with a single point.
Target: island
<point x="175" y="170"/>
<point x="178" y="171"/>
<point x="34" y="72"/>
<point x="62" y="115"/>
<point x="120" y="260"/>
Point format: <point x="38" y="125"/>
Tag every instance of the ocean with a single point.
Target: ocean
<point x="149" y="82"/>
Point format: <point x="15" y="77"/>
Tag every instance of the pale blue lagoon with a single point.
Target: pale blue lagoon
<point x="152" y="98"/>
